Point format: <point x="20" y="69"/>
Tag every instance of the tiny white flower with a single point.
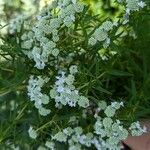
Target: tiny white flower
<point x="83" y="102"/>
<point x="102" y="105"/>
<point x="43" y="111"/>
<point x="107" y="122"/>
<point x="53" y="93"/>
<point x="60" y="89"/>
<point x="115" y="23"/>
<point x="68" y="131"/>
<point x="78" y="130"/>
<point x="32" y="133"/>
<point x="74" y="1"/>
<point x="128" y="11"/>
<point x="60" y="136"/>
<point x="92" y="41"/>
<point x="100" y="34"/>
<point x="73" y="69"/>
<point x="50" y="145"/>
<point x="110" y="111"/>
<point x="107" y="25"/>
<point x="141" y="4"/>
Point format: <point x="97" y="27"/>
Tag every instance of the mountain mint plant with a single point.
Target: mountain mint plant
<point x="63" y="45"/>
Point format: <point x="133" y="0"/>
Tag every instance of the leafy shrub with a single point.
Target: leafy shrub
<point x="73" y="79"/>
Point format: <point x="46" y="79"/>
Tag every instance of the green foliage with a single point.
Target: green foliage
<point x="102" y="76"/>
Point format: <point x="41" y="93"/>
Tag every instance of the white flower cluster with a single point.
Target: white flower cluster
<point x="132" y="5"/>
<point x="68" y="10"/>
<point x="35" y="94"/>
<point x="136" y="129"/>
<point x="101" y="34"/>
<point x="65" y="93"/>
<point x="111" y="109"/>
<point x="110" y="131"/>
<point x="74" y="137"/>
<point x="107" y="135"/>
<point x="48" y="25"/>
